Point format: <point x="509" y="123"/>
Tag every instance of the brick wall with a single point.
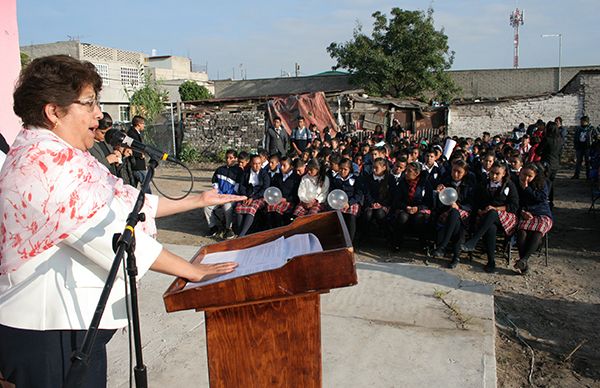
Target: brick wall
<point x="471" y="120"/>
<point x="591" y="97"/>
<point x="216" y="131"/>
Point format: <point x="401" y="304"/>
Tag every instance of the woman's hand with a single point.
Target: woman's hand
<point x="439" y="188"/>
<point x="209" y="271"/>
<point x="455" y="206"/>
<point x="376" y="205"/>
<point x="167" y="207"/>
<point x="213" y="198"/>
<point x="412" y="209"/>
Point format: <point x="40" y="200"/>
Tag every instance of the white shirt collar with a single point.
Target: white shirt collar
<point x="253" y="180"/>
<point x="378" y="178"/>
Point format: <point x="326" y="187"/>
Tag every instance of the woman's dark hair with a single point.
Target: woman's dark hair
<point x="551" y="130"/>
<point x="105" y="122"/>
<point x="539" y="181"/>
<point x="502" y="165"/>
<point x="56" y="79"/>
<point x="315" y="164"/>
<point x="345" y="162"/>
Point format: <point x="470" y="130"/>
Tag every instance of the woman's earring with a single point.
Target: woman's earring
<point x="55" y="125"/>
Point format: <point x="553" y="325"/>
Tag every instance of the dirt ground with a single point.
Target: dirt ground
<point x="548" y="321"/>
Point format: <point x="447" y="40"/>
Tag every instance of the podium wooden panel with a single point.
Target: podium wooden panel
<point x="264" y="329"/>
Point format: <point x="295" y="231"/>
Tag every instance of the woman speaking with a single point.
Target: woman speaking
<point x="59" y="209"/>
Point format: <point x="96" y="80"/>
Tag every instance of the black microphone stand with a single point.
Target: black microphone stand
<point x="125" y="243"/>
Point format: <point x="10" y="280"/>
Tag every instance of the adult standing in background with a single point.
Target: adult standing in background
<point x="138" y="124"/>
<point x="582" y="141"/>
<point x="59" y="209"/>
<point x="103" y="151"/>
<point x="549" y="151"/>
<point x="277" y="140"/>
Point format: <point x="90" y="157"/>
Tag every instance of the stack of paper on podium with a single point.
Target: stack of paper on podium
<point x="263" y="257"/>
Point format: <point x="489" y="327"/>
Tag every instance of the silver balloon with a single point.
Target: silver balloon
<point x="448" y="196"/>
<point x="337" y="199"/>
<point x="311" y="193"/>
<point x="273" y="195"/>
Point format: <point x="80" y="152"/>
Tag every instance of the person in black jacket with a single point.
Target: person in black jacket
<point x="497" y="203"/>
<point x="549" y="151"/>
<point x="138" y="124"/>
<point x="411" y="204"/>
<point x="535" y="213"/>
<point x="350" y="184"/>
<point x="253" y="185"/>
<point x="453" y="219"/>
<point x="377" y="196"/>
<point x="287" y="181"/>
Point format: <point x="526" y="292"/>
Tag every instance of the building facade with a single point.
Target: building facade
<point x="122" y="71"/>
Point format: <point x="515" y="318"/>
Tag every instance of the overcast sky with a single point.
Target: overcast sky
<point x="266" y="38"/>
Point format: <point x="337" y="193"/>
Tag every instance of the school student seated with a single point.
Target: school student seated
<point x="273" y="166"/>
<point x="287" y="181"/>
<point x="413" y="200"/>
<point x="497" y="203"/>
<point x="348" y="182"/>
<point x="226" y="179"/>
<point x="377" y="196"/>
<point x="534" y="212"/>
<point x="253" y="185"/>
<point x="453" y="220"/>
<point x="482" y="170"/>
<point x="313" y="189"/>
<point x="433" y="172"/>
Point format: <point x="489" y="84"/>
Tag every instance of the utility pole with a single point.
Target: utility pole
<point x="516" y="20"/>
<point x="559" y="36"/>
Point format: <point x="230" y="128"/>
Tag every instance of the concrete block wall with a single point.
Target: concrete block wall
<point x="217" y="131"/>
<point x="501" y="117"/>
<point x="591" y="97"/>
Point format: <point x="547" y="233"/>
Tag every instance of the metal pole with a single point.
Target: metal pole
<point x="173" y="129"/>
<point x="559" y="61"/>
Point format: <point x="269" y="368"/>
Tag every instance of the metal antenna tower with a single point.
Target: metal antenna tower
<point x="516" y="20"/>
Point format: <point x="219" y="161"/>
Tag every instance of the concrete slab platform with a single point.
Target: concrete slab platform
<point x="388" y="331"/>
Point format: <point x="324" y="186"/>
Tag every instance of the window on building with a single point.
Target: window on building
<point x="124" y="113"/>
<point x="102" y="69"/>
<point x="130" y="76"/>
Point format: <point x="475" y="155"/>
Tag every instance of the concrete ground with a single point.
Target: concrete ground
<point x="401" y="326"/>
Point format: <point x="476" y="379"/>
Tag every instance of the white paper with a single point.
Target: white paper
<point x="264" y="257"/>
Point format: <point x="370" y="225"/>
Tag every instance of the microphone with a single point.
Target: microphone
<point x="116" y="137"/>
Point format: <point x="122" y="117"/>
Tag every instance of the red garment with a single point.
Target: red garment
<point x="412" y="189"/>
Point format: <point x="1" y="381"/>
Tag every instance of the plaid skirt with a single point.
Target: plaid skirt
<point x="280" y="208"/>
<point x="254" y="206"/>
<point x="507" y="220"/>
<point x="303" y="209"/>
<point x="352" y="209"/>
<point x="541" y="224"/>
<point x="463" y="214"/>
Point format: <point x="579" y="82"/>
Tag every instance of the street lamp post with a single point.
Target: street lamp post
<point x="559" y="36"/>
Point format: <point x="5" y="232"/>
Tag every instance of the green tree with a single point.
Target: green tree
<point x="191" y="91"/>
<point x="25" y="59"/>
<point x="405" y="56"/>
<point x="149" y="100"/>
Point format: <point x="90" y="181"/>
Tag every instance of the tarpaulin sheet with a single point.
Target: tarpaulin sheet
<point x="312" y="106"/>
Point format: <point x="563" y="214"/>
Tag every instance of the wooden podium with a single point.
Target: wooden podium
<point x="264" y="329"/>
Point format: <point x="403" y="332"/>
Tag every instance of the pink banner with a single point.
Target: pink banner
<point x="9" y="68"/>
<point x="312" y="106"/>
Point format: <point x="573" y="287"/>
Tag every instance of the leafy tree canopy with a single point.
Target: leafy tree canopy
<point x="191" y="91"/>
<point x="405" y="56"/>
<point x="149" y="100"/>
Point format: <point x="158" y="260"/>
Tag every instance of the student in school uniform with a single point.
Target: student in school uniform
<point x="534" y="212"/>
<point x="350" y="184"/>
<point x="482" y="171"/>
<point x="516" y="163"/>
<point x="377" y="196"/>
<point x="273" y="168"/>
<point x="453" y="220"/>
<point x="226" y="179"/>
<point x="254" y="183"/>
<point x="412" y="204"/>
<point x="497" y="202"/>
<point x="313" y="189"/>
<point x="431" y="170"/>
<point x="287" y="181"/>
